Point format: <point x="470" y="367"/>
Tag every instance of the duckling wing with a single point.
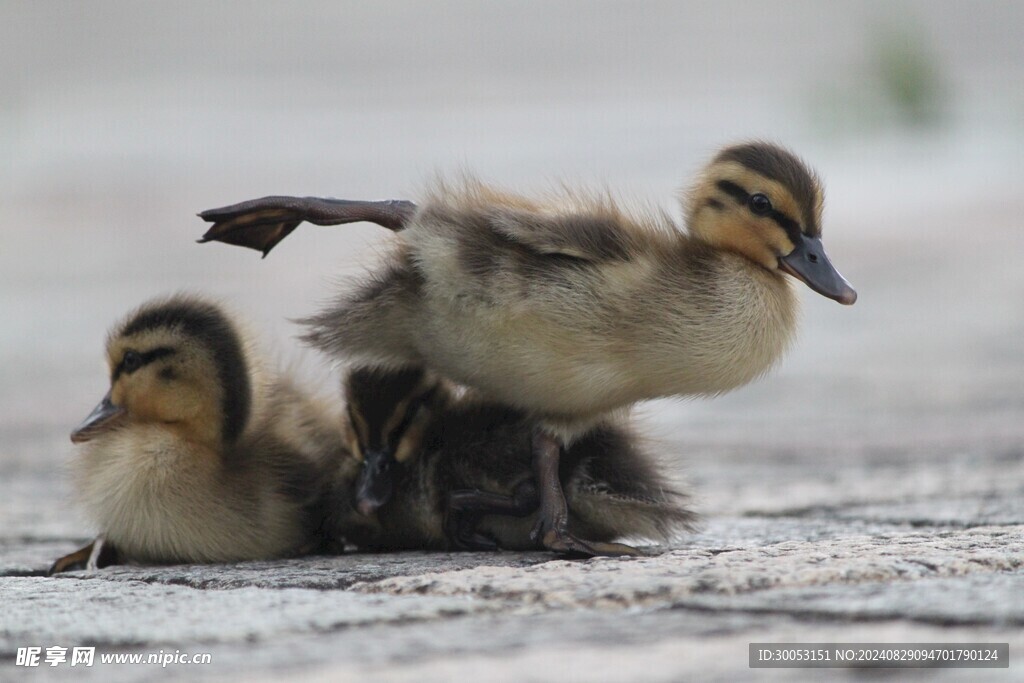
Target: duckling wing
<point x="261" y="224"/>
<point x="595" y="238"/>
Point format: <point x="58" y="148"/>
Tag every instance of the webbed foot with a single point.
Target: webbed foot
<point x="261" y="224"/>
<point x="566" y="543"/>
<point x="552" y="528"/>
<point x="95" y="555"/>
<point x="467" y="506"/>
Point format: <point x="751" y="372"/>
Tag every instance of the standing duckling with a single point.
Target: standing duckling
<point x="459" y="473"/>
<point x="572" y="308"/>
<point x="198" y="453"/>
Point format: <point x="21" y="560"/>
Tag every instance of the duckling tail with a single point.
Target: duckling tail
<point x="616" y="489"/>
<point x="606" y="514"/>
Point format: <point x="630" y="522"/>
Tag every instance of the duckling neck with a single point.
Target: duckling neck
<point x="732" y="323"/>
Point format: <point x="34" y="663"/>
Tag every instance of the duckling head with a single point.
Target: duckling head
<point x="388" y="412"/>
<point x="762" y="202"/>
<point x="178" y="363"/>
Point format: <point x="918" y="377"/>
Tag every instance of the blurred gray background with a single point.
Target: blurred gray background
<point x="120" y="120"/>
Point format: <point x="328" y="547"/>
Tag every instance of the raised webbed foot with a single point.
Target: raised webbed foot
<point x="261" y="224"/>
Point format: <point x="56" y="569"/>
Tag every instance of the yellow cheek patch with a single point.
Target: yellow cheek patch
<point x="746" y="238"/>
<point x="136" y="394"/>
<point x="410" y="444"/>
<point x="412" y="441"/>
<point x="360" y="430"/>
<point x="352" y="441"/>
<point x="777" y="239"/>
<point x="117" y="394"/>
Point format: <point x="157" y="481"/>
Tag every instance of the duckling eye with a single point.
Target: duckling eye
<point x="759" y="204"/>
<point x="131" y="362"/>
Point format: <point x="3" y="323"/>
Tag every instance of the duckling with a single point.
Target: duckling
<point x="198" y="453"/>
<point x="388" y="413"/>
<point x="460" y="473"/>
<point x="572" y="308"/>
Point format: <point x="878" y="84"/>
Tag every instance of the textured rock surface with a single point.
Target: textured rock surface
<point x="687" y="611"/>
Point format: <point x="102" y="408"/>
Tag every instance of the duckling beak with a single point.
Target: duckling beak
<point x="809" y="264"/>
<point x="103" y="417"/>
<point x="374" y="486"/>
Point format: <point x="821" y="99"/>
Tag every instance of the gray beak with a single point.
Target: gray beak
<point x="809" y="264"/>
<point x="375" y="485"/>
<point x="103" y="417"/>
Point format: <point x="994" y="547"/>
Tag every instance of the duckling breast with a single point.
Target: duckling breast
<point x="734" y="323"/>
<point x="161" y="499"/>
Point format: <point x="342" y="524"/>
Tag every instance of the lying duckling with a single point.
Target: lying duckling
<point x="197" y="453"/>
<point x="460" y="473"/>
<point x="571" y="309"/>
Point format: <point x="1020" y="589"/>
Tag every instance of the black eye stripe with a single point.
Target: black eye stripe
<point x="410" y="413"/>
<point x="734" y="191"/>
<point x="791" y="227"/>
<point x="144" y="359"/>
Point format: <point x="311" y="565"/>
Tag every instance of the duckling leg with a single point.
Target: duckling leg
<point x="72" y="561"/>
<point x="95" y="555"/>
<point x="467" y="506"/>
<point x="552" y="527"/>
<point x="261" y="223"/>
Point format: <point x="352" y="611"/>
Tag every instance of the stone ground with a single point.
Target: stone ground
<point x="886" y="561"/>
<point x="869" y="490"/>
